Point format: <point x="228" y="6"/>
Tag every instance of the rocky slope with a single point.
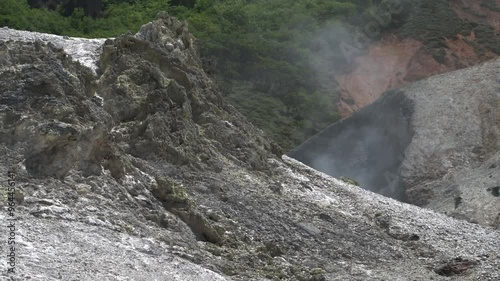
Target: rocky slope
<point x="141" y="171"/>
<point x="395" y="61"/>
<point x="434" y="143"/>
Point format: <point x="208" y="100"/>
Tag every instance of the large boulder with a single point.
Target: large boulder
<point x="434" y="143"/>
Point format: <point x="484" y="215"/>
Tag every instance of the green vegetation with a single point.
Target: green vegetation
<point x="264" y="55"/>
<point x="171" y="193"/>
<point x="349" y="181"/>
<point x="276" y="60"/>
<point x="487" y="37"/>
<point x="491" y="5"/>
<point x="119" y="16"/>
<point x="433" y="21"/>
<point x="263" y="51"/>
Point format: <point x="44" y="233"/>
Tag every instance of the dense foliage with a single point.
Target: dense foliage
<point x="276" y="60"/>
<point x="433" y="21"/>
<point x="118" y="17"/>
<point x="265" y="59"/>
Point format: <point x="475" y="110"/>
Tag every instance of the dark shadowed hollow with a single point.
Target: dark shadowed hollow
<point x="369" y="146"/>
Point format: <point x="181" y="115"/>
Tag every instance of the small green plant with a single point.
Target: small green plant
<point x="349" y="181"/>
<point x="317" y="271"/>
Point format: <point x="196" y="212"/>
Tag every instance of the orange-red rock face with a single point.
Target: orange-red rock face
<point x="393" y="62"/>
<point x="389" y="63"/>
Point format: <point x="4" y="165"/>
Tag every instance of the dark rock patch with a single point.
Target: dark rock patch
<point x="458" y="201"/>
<point x="495" y="191"/>
<point x="369" y="146"/>
<point x="457" y="266"/>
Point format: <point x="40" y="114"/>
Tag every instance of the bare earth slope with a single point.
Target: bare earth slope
<point x="145" y="173"/>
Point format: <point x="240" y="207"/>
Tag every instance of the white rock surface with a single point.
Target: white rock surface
<point x="84" y="50"/>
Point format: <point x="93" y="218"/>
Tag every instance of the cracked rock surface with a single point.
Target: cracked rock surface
<point x="141" y="171"/>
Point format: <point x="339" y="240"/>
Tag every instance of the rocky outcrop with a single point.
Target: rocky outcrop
<point x="138" y="169"/>
<point x="434" y="143"/>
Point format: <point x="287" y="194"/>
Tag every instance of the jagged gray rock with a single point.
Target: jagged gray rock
<point x="85" y="51"/>
<point x="145" y="173"/>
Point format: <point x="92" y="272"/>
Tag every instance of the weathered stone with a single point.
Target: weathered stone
<point x="164" y="172"/>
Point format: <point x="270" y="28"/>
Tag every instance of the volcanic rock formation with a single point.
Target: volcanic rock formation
<point x="135" y="168"/>
<point x="434" y="143"/>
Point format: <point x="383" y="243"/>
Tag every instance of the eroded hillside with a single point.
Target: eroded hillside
<point x="403" y="56"/>
<point x="141" y="171"/>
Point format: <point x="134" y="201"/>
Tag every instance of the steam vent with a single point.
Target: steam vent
<point x="367" y="147"/>
<point x="434" y="143"/>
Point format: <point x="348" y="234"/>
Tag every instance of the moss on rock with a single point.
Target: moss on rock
<point x="171" y="193"/>
<point x="349" y="181"/>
